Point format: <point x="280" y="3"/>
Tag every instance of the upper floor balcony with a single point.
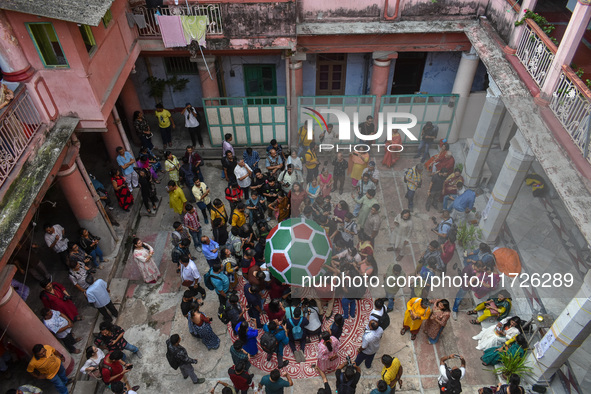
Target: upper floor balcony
<point x="19" y="122"/>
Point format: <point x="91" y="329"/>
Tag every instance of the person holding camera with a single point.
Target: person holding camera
<point x="347" y="380"/>
<point x="288" y="177"/>
<point x="55" y="296"/>
<point x="90" y="244"/>
<point x="449" y="378"/>
<point x="192" y="124"/>
<point x="114" y="369"/>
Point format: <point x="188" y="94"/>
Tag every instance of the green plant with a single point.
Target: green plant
<point x="459" y="166"/>
<point x="546" y="26"/>
<point x="588" y="83"/>
<point x="176" y="84"/>
<point x="467" y="235"/>
<point x="513" y="363"/>
<point x="157" y="86"/>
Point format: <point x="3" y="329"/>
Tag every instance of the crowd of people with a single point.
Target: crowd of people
<point x="261" y="311"/>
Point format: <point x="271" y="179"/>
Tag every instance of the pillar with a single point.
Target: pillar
<point x="14" y="63"/>
<point x="509" y="181"/>
<point x="577" y="25"/>
<point x="84" y="206"/>
<point x="112" y="138"/>
<point x="490" y="119"/>
<point x="23" y="326"/>
<point x="566" y="335"/>
<point x="379" y="80"/>
<point x="209" y="86"/>
<point x="518" y="30"/>
<point x="131" y="103"/>
<point x="296" y="89"/>
<point x="463" y="86"/>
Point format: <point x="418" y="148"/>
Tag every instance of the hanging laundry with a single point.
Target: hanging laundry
<point x="195" y="28"/>
<point x="172" y="32"/>
<point x="140" y="21"/>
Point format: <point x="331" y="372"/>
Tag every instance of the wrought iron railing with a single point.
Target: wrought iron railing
<point x="571" y="106"/>
<point x="212" y="11"/>
<point x="19" y="121"/>
<point x="535" y="51"/>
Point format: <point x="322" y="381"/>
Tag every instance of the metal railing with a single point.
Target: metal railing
<point x="212" y="11"/>
<point x="19" y="121"/>
<point x="571" y="106"/>
<point x="535" y="51"/>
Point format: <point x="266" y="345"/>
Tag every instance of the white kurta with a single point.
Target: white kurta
<point x="403" y="231"/>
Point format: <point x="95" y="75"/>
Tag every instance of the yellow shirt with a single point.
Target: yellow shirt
<point x="238" y="218"/>
<point x="389" y="374"/>
<point x="311" y="160"/>
<point x="222" y="214"/>
<point x="177" y="200"/>
<point x="304" y="136"/>
<point x="163" y="118"/>
<point x="48" y="365"/>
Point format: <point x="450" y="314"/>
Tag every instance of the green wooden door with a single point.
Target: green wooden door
<point x="260" y="80"/>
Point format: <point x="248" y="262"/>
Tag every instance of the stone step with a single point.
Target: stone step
<point x="85" y="386"/>
<point x="118" y="287"/>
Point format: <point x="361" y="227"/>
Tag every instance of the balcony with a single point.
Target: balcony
<point x="152" y="30"/>
<point x="19" y="121"/>
<point x="536" y="52"/>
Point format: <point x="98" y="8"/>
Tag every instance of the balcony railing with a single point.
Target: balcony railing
<point x="571" y="106"/>
<point x="212" y="11"/>
<point x="535" y="51"/>
<point x="19" y="121"/>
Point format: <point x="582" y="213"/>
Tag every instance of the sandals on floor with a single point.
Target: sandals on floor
<point x="475" y="322"/>
<point x="403" y="331"/>
<point x="471" y="312"/>
<point x="413" y="337"/>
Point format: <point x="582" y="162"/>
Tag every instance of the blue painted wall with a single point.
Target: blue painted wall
<point x="235" y="84"/>
<point x="440" y="72"/>
<point x="309" y="76"/>
<point x="355" y="74"/>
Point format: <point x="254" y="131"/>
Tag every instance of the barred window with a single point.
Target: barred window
<point x="180" y="66"/>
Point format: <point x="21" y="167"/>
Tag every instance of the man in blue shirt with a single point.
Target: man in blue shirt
<point x="462" y="204"/>
<point x="98" y="295"/>
<point x="274" y="384"/>
<point x="126" y="162"/>
<point x="280" y="333"/>
<point x="251" y="158"/>
<point x="210" y="250"/>
<point x="220" y="282"/>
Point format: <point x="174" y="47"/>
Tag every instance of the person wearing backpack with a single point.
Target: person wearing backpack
<point x="449" y="378"/>
<point x="296" y="332"/>
<point x="113" y="368"/>
<point x="179" y="359"/>
<point x="413" y="178"/>
<point x="271" y="346"/>
<point x="443" y="227"/>
<point x="380" y="314"/>
<point x="391" y="372"/>
<point x="347" y="380"/>
<point x="218" y="281"/>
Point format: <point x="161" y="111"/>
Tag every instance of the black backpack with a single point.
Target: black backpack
<point x="345" y="387"/>
<point x="172" y="359"/>
<point x="384" y="320"/>
<point x="269" y="342"/>
<point x="452" y="386"/>
<point x="223" y="314"/>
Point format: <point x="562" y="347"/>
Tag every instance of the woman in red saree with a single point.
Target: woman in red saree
<point x="124" y="196"/>
<point x="450" y="184"/>
<point x="443" y="149"/>
<point x="54" y="296"/>
<point x="390" y="158"/>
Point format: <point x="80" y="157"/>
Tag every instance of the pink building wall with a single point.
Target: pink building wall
<point x="90" y="86"/>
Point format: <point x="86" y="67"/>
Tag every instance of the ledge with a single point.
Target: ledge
<point x="321" y="27"/>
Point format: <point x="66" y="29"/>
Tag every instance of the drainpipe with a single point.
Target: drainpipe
<point x="121" y="129"/>
<point x="95" y="196"/>
<point x="393" y="17"/>
<point x="288" y="99"/>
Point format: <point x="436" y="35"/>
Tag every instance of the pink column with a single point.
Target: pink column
<point x="15" y="66"/>
<point x="518" y="30"/>
<point x="209" y="86"/>
<point x="298" y="75"/>
<point x="112" y="138"/>
<point x="379" y="82"/>
<point x="22" y="326"/>
<point x="131" y="103"/>
<point x="577" y="25"/>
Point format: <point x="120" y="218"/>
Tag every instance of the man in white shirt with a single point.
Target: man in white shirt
<point x="61" y="326"/>
<point x="192" y="124"/>
<point x="243" y="173"/>
<point x="370" y="344"/>
<point x="55" y="238"/>
<point x="450" y="377"/>
<point x="190" y="276"/>
<point x="329" y="136"/>
<point x="288" y="177"/>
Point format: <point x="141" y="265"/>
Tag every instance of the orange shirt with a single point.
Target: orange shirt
<point x="48" y="365"/>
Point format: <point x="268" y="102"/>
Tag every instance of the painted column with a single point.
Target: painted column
<point x="27" y="330"/>
<point x="566" y="335"/>
<point x="379" y="82"/>
<point x="463" y="86"/>
<point x="131" y="103"/>
<point x="490" y="118"/>
<point x="509" y="181"/>
<point x="83" y="205"/>
<point x="577" y="25"/>
<point x="14" y="63"/>
<point x="209" y="86"/>
<point x="518" y="30"/>
<point x="112" y="138"/>
<point x="296" y="81"/>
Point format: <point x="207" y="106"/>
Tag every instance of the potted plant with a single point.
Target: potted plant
<point x="467" y="235"/>
<point x="157" y="86"/>
<point x="513" y="363"/>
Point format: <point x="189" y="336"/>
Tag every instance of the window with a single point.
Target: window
<point x="107" y="18"/>
<point x="88" y="38"/>
<point x="330" y="74"/>
<point x="180" y="66"/>
<point x="47" y="44"/>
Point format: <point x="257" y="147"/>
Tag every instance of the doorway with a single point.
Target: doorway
<point x="408" y="72"/>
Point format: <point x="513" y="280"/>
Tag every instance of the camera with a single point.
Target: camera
<point x="129" y="367"/>
<point x="349" y="362"/>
